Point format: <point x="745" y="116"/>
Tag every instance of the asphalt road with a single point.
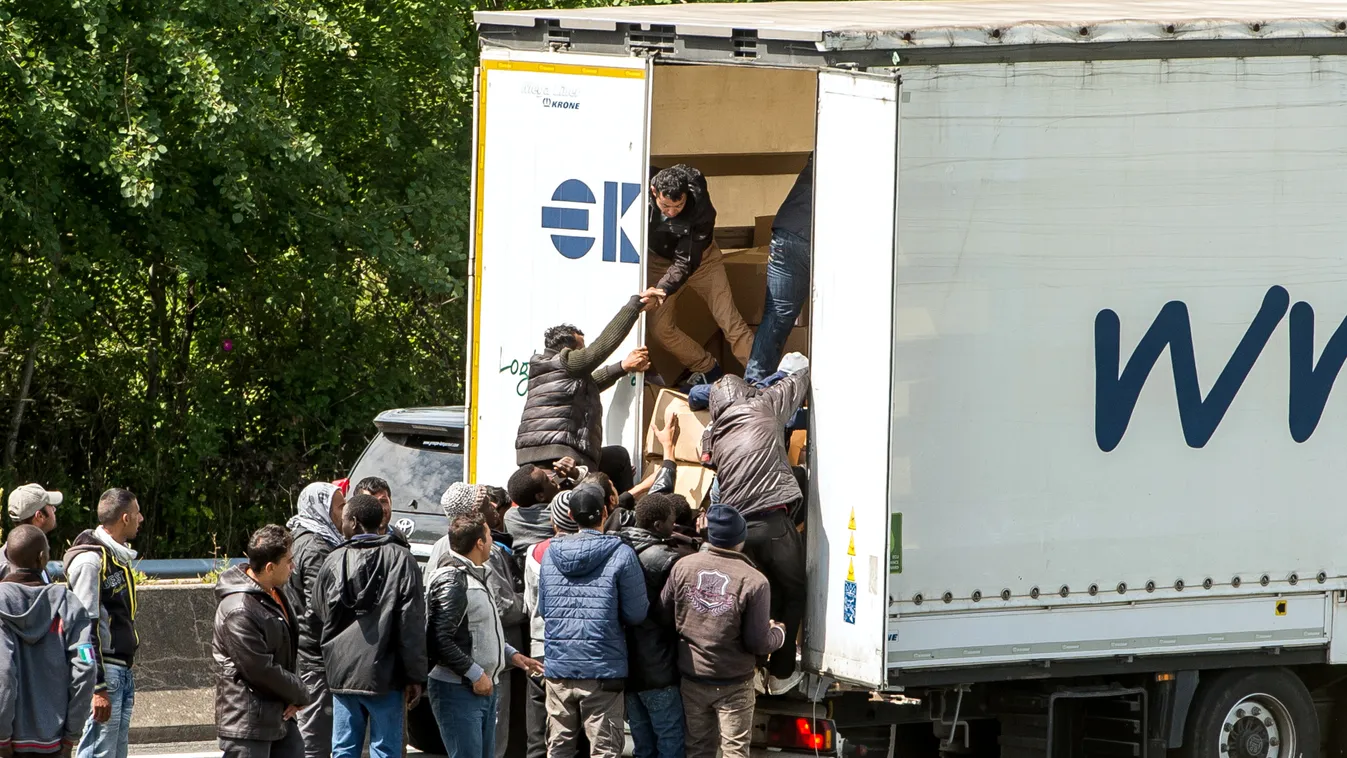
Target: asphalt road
<point x="202" y="750"/>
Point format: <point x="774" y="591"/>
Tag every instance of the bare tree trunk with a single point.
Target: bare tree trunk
<point x="29" y="363"/>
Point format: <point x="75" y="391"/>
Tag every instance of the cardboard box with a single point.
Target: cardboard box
<point x="747" y="273"/>
<point x="798" y="438"/>
<point x="691" y="480"/>
<point x="691" y="424"/>
<point x="762" y="230"/>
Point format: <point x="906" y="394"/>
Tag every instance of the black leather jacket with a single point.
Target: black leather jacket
<point x="255" y="648"/>
<point x="652" y="645"/>
<point x="448" y="639"/>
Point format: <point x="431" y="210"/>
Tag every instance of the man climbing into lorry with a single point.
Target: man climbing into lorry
<point x="787" y="275"/>
<point x="746" y="448"/>
<point x="681" y="237"/>
<point x="563" y="415"/>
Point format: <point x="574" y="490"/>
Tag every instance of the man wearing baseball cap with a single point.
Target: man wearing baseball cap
<point x="34" y="505"/>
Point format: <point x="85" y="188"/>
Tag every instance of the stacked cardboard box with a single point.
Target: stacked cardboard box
<point x="692" y="481"/>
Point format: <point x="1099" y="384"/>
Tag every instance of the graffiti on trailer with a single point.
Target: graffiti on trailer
<point x="515" y="368"/>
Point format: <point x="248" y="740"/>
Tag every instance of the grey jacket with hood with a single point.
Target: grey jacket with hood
<point x="46" y="650"/>
<point x="746" y="443"/>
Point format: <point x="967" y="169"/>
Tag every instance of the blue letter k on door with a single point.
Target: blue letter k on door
<point x="576" y="246"/>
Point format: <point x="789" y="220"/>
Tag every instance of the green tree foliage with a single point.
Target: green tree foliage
<point x="236" y="230"/>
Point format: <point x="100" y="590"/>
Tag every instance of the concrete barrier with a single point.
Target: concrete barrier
<point x="175" y="675"/>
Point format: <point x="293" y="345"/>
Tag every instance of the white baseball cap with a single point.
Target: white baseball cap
<point x="26" y="501"/>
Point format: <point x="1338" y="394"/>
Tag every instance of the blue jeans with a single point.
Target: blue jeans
<point x="383" y="714"/>
<point x="467" y="720"/>
<point x="656" y="719"/>
<point x="110" y="740"/>
<point x="787" y="288"/>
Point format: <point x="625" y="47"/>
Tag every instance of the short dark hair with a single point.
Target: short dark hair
<point x="682" y="511"/>
<point x="25" y="546"/>
<point x="373" y="485"/>
<point x="603" y="480"/>
<point x="366" y="510"/>
<point x="673" y="182"/>
<point x="653" y="510"/>
<point x="466" y="531"/>
<point x="498" y="497"/>
<point x="525" y="485"/>
<point x="561" y="335"/>
<point x="267" y="545"/>
<point x="114" y="504"/>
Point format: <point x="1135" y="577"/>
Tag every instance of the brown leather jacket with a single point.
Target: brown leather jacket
<point x="255" y="649"/>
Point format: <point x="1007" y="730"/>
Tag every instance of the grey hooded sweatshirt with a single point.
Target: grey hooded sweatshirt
<point x="46" y="649"/>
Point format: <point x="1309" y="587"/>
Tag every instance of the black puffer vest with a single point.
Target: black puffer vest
<point x="563" y="415"/>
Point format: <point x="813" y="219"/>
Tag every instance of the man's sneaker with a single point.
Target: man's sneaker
<point x="708" y="376"/>
<point x="782" y="686"/>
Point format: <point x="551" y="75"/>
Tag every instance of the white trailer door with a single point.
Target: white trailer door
<point x="855" y="198"/>
<point x="558" y="230"/>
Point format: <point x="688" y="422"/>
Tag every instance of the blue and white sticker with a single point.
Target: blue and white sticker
<point x="849" y="602"/>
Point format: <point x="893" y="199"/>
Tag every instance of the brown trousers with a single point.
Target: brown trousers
<point x="718" y="717"/>
<point x="712" y="286"/>
<point x="588" y="704"/>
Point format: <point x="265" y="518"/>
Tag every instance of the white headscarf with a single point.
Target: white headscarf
<point x="315" y="512"/>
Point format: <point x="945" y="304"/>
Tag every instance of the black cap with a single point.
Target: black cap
<point x="587" y="503"/>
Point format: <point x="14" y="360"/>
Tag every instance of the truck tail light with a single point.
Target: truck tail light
<point x="799" y="733"/>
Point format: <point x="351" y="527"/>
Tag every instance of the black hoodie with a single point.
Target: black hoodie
<point x="652" y="645"/>
<point x="370" y="613"/>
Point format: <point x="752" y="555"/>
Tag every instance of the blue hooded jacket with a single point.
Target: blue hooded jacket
<point x="590" y="586"/>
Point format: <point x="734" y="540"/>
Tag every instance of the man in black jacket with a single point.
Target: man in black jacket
<point x="467" y="643"/>
<point x="681" y="236"/>
<point x="257" y="692"/>
<point x="563" y="415"/>
<point x="316" y="534"/>
<point x="654" y="705"/>
<point x="371" y="613"/>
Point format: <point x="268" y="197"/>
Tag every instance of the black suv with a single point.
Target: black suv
<point x="419" y="451"/>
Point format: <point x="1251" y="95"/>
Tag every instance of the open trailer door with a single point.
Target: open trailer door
<point x="558" y="230"/>
<point x="855" y="199"/>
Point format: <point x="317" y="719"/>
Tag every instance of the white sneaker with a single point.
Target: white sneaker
<point x="782" y="686"/>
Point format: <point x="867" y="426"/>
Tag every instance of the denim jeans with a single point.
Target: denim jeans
<point x="384" y="715"/>
<point x="656" y="719"/>
<point x="467" y="720"/>
<point x="110" y="740"/>
<point x="787" y="288"/>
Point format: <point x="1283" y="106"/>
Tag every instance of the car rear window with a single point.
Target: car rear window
<point x="416" y="468"/>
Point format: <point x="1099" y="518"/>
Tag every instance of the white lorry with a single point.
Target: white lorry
<point x="1078" y="298"/>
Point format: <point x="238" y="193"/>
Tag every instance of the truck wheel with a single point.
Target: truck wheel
<point x="1252" y="713"/>
<point x="422" y="731"/>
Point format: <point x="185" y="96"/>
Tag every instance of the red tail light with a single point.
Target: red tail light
<point x="799" y="733"/>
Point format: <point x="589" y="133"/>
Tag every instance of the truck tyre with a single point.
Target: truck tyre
<point x="422" y="731"/>
<point x="1252" y="713"/>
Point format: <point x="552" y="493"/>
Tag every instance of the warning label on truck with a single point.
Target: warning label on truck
<point x="896" y="543"/>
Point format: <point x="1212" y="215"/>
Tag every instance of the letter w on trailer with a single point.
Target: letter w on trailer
<point x="1020" y="209"/>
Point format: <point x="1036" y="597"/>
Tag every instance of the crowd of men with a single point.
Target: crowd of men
<point x="623" y="607"/>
